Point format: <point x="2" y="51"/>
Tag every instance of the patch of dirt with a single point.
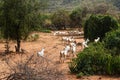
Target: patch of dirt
<point x="53" y="45"/>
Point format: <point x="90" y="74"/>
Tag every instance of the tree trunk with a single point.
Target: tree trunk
<point x="18" y="37"/>
<point x="18" y="46"/>
<point x="64" y="27"/>
<point x="7" y="46"/>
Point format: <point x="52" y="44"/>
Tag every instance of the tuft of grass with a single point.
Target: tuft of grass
<point x="33" y="37"/>
<point x="45" y="31"/>
<point x="79" y="75"/>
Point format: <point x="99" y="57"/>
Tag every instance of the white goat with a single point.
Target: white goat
<point x="64" y="53"/>
<point x="62" y="33"/>
<point x="73" y="44"/>
<point x="67" y="48"/>
<point x="73" y="47"/>
<point x="79" y="33"/>
<point x="55" y="33"/>
<point x="41" y="53"/>
<point x="68" y="39"/>
<point x="96" y="40"/>
<point x="71" y="40"/>
<point x="84" y="44"/>
<point x="59" y="33"/>
<point x="65" y="38"/>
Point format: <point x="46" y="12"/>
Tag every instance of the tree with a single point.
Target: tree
<point x="19" y="16"/>
<point x="77" y="15"/>
<point x="112" y="42"/>
<point x="1" y="4"/>
<point x="60" y="19"/>
<point x="98" y="25"/>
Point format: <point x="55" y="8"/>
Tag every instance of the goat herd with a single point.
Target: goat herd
<point x="70" y="44"/>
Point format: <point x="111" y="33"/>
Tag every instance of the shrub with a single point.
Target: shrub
<point x="115" y="64"/>
<point x="112" y="42"/>
<point x="77" y="16"/>
<point x="98" y="25"/>
<point x="1" y="35"/>
<point x="60" y="19"/>
<point x="80" y="75"/>
<point x="45" y="30"/>
<point x="93" y="60"/>
<point x="42" y="22"/>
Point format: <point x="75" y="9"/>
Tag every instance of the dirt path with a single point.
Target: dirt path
<point x="52" y="45"/>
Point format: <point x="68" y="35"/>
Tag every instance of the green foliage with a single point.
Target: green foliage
<point x="60" y="19"/>
<point x="19" y="16"/>
<point x="80" y="74"/>
<point x="93" y="60"/>
<point x="112" y="42"/>
<point x="1" y="36"/>
<point x="45" y="30"/>
<point x="115" y="63"/>
<point x="40" y="22"/>
<point x="98" y="25"/>
<point x="77" y="15"/>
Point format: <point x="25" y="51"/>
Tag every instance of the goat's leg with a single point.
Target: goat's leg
<point x="60" y="57"/>
<point x="64" y="57"/>
<point x="74" y="54"/>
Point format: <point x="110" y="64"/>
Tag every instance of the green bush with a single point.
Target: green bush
<point x="112" y="42"/>
<point x="41" y="22"/>
<point x="45" y="31"/>
<point x="98" y="25"/>
<point x="93" y="60"/>
<point x="99" y="58"/>
<point x="1" y="37"/>
<point x="80" y="75"/>
<point x="60" y="19"/>
<point x="77" y="16"/>
<point x="115" y="64"/>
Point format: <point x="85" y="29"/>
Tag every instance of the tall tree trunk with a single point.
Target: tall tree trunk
<point x="18" y="38"/>
<point x="18" y="45"/>
<point x="64" y="26"/>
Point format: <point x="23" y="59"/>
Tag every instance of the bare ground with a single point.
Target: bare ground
<point x="52" y="45"/>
